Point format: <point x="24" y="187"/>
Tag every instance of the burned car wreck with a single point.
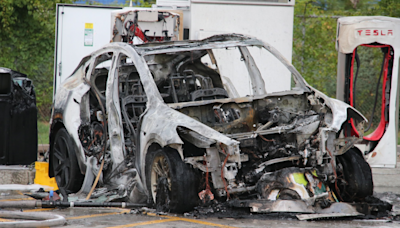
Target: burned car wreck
<point x="162" y="123"/>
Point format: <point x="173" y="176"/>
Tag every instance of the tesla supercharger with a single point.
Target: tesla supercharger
<point x="367" y="79"/>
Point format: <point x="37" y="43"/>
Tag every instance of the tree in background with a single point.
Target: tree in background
<point x="314" y="53"/>
<point x="27" y="35"/>
<point x="314" y="35"/>
<point x="389" y="8"/>
<point x="27" y="44"/>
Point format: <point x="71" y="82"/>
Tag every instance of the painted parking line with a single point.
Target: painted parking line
<point x="192" y="221"/>
<point x="98" y="215"/>
<point x="39" y="209"/>
<point x="170" y="219"/>
<point x="5" y="220"/>
<point x="146" y="223"/>
<point x="205" y="223"/>
<point x="165" y="219"/>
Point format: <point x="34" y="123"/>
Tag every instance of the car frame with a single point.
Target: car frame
<point x="166" y="156"/>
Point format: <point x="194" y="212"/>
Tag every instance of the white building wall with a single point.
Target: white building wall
<point x="272" y="22"/>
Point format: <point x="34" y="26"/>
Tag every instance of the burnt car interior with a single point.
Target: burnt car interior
<point x="287" y="140"/>
<point x="188" y="80"/>
<point x="285" y="147"/>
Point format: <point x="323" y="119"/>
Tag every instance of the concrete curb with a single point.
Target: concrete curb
<point x="16" y="174"/>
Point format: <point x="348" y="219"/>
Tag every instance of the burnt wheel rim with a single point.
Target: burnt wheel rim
<point x="159" y="168"/>
<point x="61" y="162"/>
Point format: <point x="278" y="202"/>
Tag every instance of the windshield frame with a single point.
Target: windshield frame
<point x="147" y="50"/>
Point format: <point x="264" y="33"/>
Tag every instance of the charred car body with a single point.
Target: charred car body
<point x="162" y="123"/>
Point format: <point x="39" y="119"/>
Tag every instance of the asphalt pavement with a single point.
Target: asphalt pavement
<point x="146" y="217"/>
<point x="386" y="188"/>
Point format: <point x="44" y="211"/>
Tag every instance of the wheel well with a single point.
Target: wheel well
<point x="189" y="150"/>
<point x="184" y="180"/>
<point x="53" y="132"/>
<point x="153" y="147"/>
<point x="357" y="175"/>
<point x="358" y="151"/>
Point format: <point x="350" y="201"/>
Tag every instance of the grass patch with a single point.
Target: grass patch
<point x="43" y="132"/>
<point x="398" y="138"/>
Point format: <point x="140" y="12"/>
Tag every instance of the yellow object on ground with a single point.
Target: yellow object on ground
<point x="42" y="175"/>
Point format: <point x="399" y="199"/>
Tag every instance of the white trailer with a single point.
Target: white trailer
<point x="81" y="29"/>
<point x="268" y="20"/>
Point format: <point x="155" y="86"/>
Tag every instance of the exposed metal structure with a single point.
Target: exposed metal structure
<point x="163" y="124"/>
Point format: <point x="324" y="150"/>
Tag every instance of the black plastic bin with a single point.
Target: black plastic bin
<point x="18" y="119"/>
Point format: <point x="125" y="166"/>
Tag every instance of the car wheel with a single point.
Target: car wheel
<point x="357" y="176"/>
<point x="65" y="164"/>
<point x="171" y="182"/>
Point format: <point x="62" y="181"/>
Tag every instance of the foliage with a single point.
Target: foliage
<point x="27" y="34"/>
<point x="143" y="3"/>
<point x="367" y="83"/>
<point x="135" y="3"/>
<point x="313" y="44"/>
<point x="314" y="53"/>
<point x="27" y="38"/>
<point x="27" y="44"/>
<point x="43" y="132"/>
<point x="389" y="8"/>
<point x="314" y="35"/>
